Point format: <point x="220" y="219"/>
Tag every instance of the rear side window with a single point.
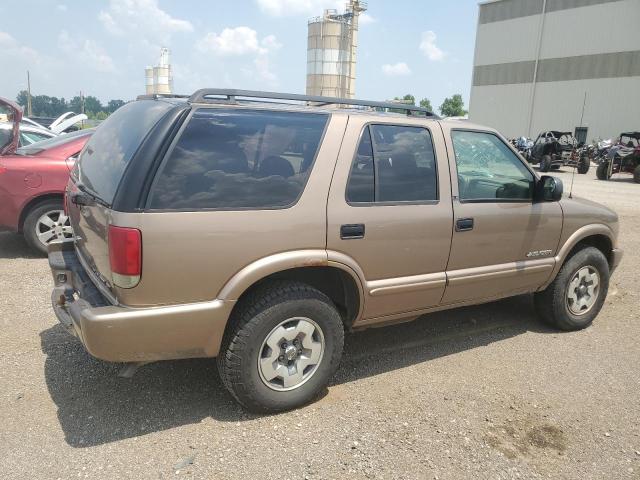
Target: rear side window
<point x="393" y="164"/>
<point x="235" y="159"/>
<point x="109" y="150"/>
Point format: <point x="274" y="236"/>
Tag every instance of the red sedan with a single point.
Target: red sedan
<point x="33" y="180"/>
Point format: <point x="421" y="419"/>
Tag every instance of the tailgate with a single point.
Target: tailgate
<point x="90" y="225"/>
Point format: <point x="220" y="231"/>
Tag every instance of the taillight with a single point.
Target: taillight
<point x="2" y="169"/>
<point x="125" y="256"/>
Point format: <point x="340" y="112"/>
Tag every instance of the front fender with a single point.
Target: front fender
<point x="575" y="238"/>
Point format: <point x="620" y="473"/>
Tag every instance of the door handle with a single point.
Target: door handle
<point x="352" y="231"/>
<point x="464" y="224"/>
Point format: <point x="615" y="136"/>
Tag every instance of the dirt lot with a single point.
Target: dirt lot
<point x="481" y="392"/>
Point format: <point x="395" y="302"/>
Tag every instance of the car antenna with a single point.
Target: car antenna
<point x="573" y="175"/>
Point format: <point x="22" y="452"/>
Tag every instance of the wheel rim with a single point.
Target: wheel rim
<point x="53" y="225"/>
<point x="291" y="354"/>
<point x="583" y="290"/>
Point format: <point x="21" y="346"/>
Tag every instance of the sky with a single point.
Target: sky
<point x="100" y="47"/>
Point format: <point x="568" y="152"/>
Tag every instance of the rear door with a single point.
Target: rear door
<point x="503" y="242"/>
<point x="390" y="212"/>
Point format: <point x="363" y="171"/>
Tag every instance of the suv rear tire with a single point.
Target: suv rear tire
<point x="577" y="294"/>
<point x="636" y="174"/>
<point x="267" y="356"/>
<point x="45" y="218"/>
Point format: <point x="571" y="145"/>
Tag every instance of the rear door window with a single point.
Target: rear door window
<point x="393" y="164"/>
<point x="239" y="159"/>
<point x="109" y="150"/>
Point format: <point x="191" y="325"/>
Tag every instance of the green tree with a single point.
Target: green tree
<point x="92" y="104"/>
<point x="113" y="105"/>
<point x="453" y="107"/>
<point x="21" y="99"/>
<point x="408" y="99"/>
<point x="426" y="103"/>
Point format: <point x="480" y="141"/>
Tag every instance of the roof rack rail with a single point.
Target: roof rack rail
<point x="156" y="96"/>
<point x="230" y="95"/>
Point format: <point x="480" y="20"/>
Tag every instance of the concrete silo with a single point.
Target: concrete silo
<point x="331" y="52"/>
<point x="159" y="79"/>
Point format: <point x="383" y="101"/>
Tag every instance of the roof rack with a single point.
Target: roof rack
<point x="230" y="95"/>
<point x="156" y="96"/>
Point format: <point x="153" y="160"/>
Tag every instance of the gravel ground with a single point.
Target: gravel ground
<point x="479" y="392"/>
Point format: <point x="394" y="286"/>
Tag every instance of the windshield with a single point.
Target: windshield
<point x="108" y="152"/>
<point x="52" y="142"/>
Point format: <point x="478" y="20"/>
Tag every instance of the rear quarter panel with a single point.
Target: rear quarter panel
<point x="190" y="256"/>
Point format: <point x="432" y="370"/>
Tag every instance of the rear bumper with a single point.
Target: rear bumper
<point x="123" y="334"/>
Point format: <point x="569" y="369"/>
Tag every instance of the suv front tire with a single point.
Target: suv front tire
<point x="577" y="294"/>
<point x="282" y="347"/>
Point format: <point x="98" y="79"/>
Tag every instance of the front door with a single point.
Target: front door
<point x="503" y="242"/>
<point x="390" y="213"/>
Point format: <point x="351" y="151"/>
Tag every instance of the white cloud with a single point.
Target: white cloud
<point x="399" y="69"/>
<point x="243" y="41"/>
<point x="233" y="41"/>
<point x="366" y="19"/>
<point x="143" y="18"/>
<point x="429" y="48"/>
<point x="281" y="8"/>
<point x="10" y="47"/>
<point x="87" y="52"/>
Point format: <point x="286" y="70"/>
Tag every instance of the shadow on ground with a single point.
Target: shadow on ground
<point x="13" y="245"/>
<point x="95" y="406"/>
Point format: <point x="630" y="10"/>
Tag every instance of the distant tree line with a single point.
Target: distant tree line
<point x="46" y="106"/>
<point x="451" y="107"/>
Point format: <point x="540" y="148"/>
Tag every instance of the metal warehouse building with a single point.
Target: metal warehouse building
<point x="557" y="65"/>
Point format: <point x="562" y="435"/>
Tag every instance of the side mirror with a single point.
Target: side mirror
<point x="548" y="189"/>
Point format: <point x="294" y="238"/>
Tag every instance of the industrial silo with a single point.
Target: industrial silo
<point x="148" y="80"/>
<point x="331" y="52"/>
<point x="159" y="79"/>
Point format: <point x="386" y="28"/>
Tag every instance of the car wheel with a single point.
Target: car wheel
<point x="545" y="163"/>
<point x="281" y="348"/>
<point x="636" y="174"/>
<point x="583" y="165"/>
<point x="602" y="172"/>
<point x="577" y="294"/>
<point x="45" y="223"/>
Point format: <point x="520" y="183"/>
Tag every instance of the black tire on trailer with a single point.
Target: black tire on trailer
<point x="278" y="331"/>
<point x="577" y="294"/>
<point x="583" y="165"/>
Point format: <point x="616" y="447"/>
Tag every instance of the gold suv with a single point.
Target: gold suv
<point x="258" y="227"/>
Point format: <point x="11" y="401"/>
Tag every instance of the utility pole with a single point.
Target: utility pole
<point x="29" y="110"/>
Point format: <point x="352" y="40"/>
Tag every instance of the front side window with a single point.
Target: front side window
<point x="488" y="170"/>
<point x="235" y="159"/>
<point x="393" y="164"/>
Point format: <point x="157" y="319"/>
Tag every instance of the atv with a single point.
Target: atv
<point x="623" y="157"/>
<point x="554" y="149"/>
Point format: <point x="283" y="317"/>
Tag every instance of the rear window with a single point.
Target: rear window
<point x="109" y="150"/>
<point x="239" y="159"/>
